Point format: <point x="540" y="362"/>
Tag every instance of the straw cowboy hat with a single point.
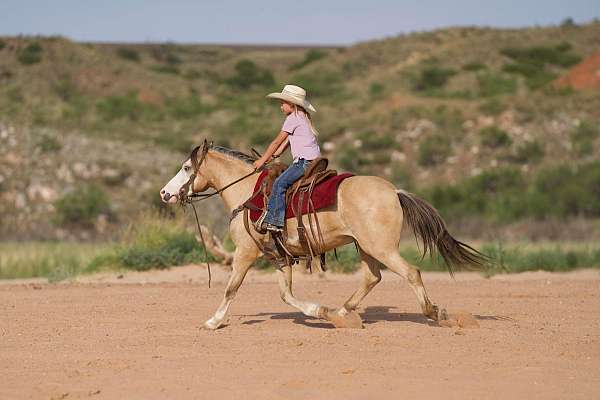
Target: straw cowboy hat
<point x="295" y="95"/>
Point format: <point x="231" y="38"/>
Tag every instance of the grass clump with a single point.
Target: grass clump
<point x="583" y="137"/>
<point x="474" y="66"/>
<point x="529" y="152"/>
<point x="554" y="258"/>
<point x="494" y="137"/>
<point x="126" y="106"/>
<point x="434" y="150"/>
<point x="249" y="74"/>
<point x="30" y="54"/>
<point x="492" y="107"/>
<point x="532" y="62"/>
<point x="53" y="260"/>
<point x="493" y="84"/>
<point x="128" y="54"/>
<point x="432" y="77"/>
<point x="154" y="242"/>
<point x="311" y="56"/>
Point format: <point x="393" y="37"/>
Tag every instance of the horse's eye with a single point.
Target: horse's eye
<point x="186" y="168"/>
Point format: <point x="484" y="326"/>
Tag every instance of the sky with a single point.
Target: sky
<point x="327" y="22"/>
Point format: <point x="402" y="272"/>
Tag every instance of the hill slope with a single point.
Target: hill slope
<point x="431" y="108"/>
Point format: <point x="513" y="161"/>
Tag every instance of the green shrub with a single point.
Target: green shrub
<point x="492" y="84"/>
<point x="497" y="194"/>
<point x="434" y="150"/>
<point x="585" y="131"/>
<point x="432" y="77"/>
<point x="558" y="55"/>
<point x="494" y="137"/>
<point x="583" y="138"/>
<point x="30" y="54"/>
<point x="504" y="195"/>
<point x="565" y="191"/>
<point x="128" y="54"/>
<point x="474" y="66"/>
<point x="347" y="260"/>
<point x="568" y="23"/>
<point x="532" y="62"/>
<point x="48" y="144"/>
<point x="248" y="74"/>
<point x="154" y="242"/>
<point x="66" y="89"/>
<point x="173" y="59"/>
<point x="192" y="74"/>
<point x="321" y="84"/>
<point x="449" y="120"/>
<point x="165" y="69"/>
<point x="127" y="106"/>
<point x="2" y="44"/>
<point x="492" y="107"/>
<point x="401" y="176"/>
<point x="530" y="152"/>
<point x="376" y="91"/>
<point x="185" y="107"/>
<point x="82" y="206"/>
<point x="373" y="142"/>
<point x="311" y="56"/>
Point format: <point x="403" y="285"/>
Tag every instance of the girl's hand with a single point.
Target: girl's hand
<point x="258" y="163"/>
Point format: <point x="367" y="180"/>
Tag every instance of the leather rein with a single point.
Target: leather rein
<point x="192" y="198"/>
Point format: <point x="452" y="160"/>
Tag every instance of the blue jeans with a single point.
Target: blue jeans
<point x="276" y="207"/>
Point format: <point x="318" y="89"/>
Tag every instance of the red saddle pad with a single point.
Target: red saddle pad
<point x="324" y="195"/>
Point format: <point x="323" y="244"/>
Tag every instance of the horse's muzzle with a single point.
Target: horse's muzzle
<point x="168" y="197"/>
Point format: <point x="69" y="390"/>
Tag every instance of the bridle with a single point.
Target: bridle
<point x="185" y="198"/>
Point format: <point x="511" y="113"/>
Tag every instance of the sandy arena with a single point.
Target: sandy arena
<point x="137" y="336"/>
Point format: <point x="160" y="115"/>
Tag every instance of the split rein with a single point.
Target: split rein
<point x="190" y="199"/>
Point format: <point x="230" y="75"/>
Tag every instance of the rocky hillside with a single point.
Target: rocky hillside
<point x="104" y="125"/>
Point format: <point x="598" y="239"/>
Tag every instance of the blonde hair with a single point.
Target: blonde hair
<point x="307" y="115"/>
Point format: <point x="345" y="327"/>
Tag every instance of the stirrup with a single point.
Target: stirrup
<point x="258" y="225"/>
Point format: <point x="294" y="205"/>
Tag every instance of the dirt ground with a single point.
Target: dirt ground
<point x="137" y="336"/>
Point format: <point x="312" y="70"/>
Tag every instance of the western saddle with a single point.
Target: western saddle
<point x="310" y="239"/>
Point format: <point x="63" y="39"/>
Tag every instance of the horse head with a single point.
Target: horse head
<point x="189" y="179"/>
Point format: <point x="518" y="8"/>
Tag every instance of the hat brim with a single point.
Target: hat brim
<point x="282" y="96"/>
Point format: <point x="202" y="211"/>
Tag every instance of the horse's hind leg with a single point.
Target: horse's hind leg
<point x="285" y="290"/>
<point x="397" y="264"/>
<point x="371" y="276"/>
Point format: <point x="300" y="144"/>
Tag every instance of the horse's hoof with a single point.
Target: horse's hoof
<point x="437" y="314"/>
<point x="210" y="326"/>
<point x="342" y="318"/>
<point x="442" y="314"/>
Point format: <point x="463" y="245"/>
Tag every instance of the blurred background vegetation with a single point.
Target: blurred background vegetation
<point x="497" y="128"/>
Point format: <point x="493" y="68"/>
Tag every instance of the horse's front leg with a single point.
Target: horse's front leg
<point x="242" y="260"/>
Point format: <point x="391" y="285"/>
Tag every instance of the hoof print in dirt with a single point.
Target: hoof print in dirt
<point x="343" y="319"/>
<point x="461" y="320"/>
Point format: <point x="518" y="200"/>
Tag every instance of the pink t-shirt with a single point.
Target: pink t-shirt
<point x="303" y="142"/>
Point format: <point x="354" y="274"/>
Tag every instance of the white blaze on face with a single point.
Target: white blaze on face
<point x="169" y="192"/>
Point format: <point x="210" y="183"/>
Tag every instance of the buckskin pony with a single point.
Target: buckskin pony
<point x="368" y="210"/>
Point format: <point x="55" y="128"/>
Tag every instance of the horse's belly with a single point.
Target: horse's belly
<point x="333" y="231"/>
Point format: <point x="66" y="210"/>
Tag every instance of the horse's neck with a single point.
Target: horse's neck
<point x="222" y="171"/>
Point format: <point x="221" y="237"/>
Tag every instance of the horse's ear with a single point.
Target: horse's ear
<point x="255" y="153"/>
<point x="194" y="157"/>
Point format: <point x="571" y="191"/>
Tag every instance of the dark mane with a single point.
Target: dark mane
<point x="235" y="154"/>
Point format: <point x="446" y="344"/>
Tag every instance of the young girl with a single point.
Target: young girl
<point x="299" y="133"/>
